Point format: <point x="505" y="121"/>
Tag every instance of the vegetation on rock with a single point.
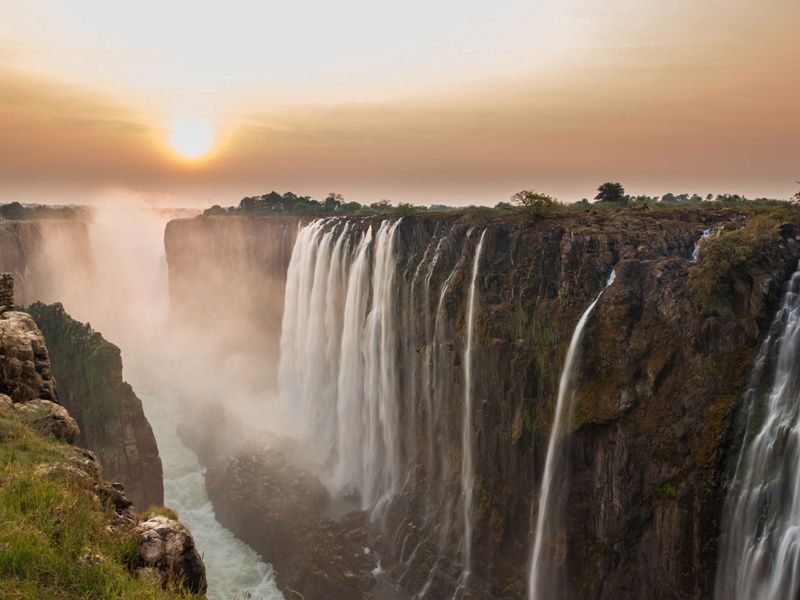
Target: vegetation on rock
<point x="88" y="370"/>
<point x="60" y="537"/>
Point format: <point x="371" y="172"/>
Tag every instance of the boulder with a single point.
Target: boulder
<point x="168" y="547"/>
<point x="24" y="363"/>
<point x="48" y="418"/>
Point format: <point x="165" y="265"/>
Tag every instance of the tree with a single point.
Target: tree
<point x="332" y="202"/>
<point x="381" y="205"/>
<point x="534" y="204"/>
<point x="611" y="192"/>
<point x="796" y="197"/>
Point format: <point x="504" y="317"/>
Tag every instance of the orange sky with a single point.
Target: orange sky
<point x="442" y="105"/>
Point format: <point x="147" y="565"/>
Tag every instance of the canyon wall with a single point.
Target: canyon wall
<point x="51" y="260"/>
<point x="42" y="253"/>
<point x="66" y="528"/>
<point x="227" y="276"/>
<point x="660" y="376"/>
<point x="88" y="370"/>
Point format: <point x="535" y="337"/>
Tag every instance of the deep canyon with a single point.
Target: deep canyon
<point x="437" y="405"/>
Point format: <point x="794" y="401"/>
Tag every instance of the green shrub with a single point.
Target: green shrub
<point x="721" y="274"/>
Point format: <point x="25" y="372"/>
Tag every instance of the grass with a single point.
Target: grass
<point x="54" y="536"/>
<point x="159" y="511"/>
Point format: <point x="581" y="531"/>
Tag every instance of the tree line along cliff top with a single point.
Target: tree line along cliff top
<point x="610" y="196"/>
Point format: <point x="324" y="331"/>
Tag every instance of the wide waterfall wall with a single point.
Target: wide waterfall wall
<point x="760" y="554"/>
<point x="375" y="336"/>
<point x="656" y="390"/>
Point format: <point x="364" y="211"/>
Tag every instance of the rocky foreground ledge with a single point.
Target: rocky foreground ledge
<point x="66" y="531"/>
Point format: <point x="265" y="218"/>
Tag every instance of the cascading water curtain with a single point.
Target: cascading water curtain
<point x="760" y="550"/>
<point x="338" y="369"/>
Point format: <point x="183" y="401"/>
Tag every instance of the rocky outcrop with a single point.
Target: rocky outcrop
<point x="167" y="549"/>
<point x="110" y="416"/>
<point x="48" y="418"/>
<point x="66" y="528"/>
<point x="277" y="508"/>
<point x="25" y="372"/>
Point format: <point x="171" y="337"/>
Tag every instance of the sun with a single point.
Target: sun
<point x="191" y="137"/>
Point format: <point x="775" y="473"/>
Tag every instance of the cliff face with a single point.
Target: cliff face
<point x="659" y="378"/>
<point x="67" y="531"/>
<point x="227" y="274"/>
<point x="112" y="422"/>
<point x="39" y="252"/>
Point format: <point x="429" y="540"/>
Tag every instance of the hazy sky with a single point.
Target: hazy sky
<point x="424" y="101"/>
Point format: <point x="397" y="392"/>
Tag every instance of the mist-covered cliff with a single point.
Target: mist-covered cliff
<point x="660" y="374"/>
<point x="227" y="275"/>
<point x="41" y="253"/>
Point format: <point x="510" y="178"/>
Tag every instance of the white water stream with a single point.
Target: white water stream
<point x="541" y="585"/>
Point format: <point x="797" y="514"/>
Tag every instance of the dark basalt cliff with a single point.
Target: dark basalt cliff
<point x="664" y="361"/>
<point x="111" y="418"/>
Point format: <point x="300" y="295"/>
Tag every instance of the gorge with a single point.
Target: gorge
<point x="451" y="405"/>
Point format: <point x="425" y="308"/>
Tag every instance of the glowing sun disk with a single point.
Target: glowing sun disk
<point x="191" y="137"/>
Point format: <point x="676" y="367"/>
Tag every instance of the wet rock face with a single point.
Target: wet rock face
<point x="110" y="416"/>
<point x="655" y="423"/>
<point x="276" y="507"/>
<point x="25" y="372"/>
<point x="167" y="547"/>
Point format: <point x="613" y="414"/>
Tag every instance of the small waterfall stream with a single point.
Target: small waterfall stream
<point x="541" y="583"/>
<point x="760" y="549"/>
<point x="467" y="470"/>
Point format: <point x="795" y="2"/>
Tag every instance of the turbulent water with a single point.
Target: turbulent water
<point x="549" y="546"/>
<point x="760" y="555"/>
<point x="698" y="243"/>
<point x="233" y="569"/>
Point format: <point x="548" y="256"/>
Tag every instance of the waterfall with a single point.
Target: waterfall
<point x="696" y="251"/>
<point x="467" y="471"/>
<point x="760" y="549"/>
<point x="338" y="373"/>
<point x="543" y="563"/>
<point x="368" y="377"/>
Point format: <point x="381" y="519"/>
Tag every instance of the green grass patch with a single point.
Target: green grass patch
<point x="54" y="535"/>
